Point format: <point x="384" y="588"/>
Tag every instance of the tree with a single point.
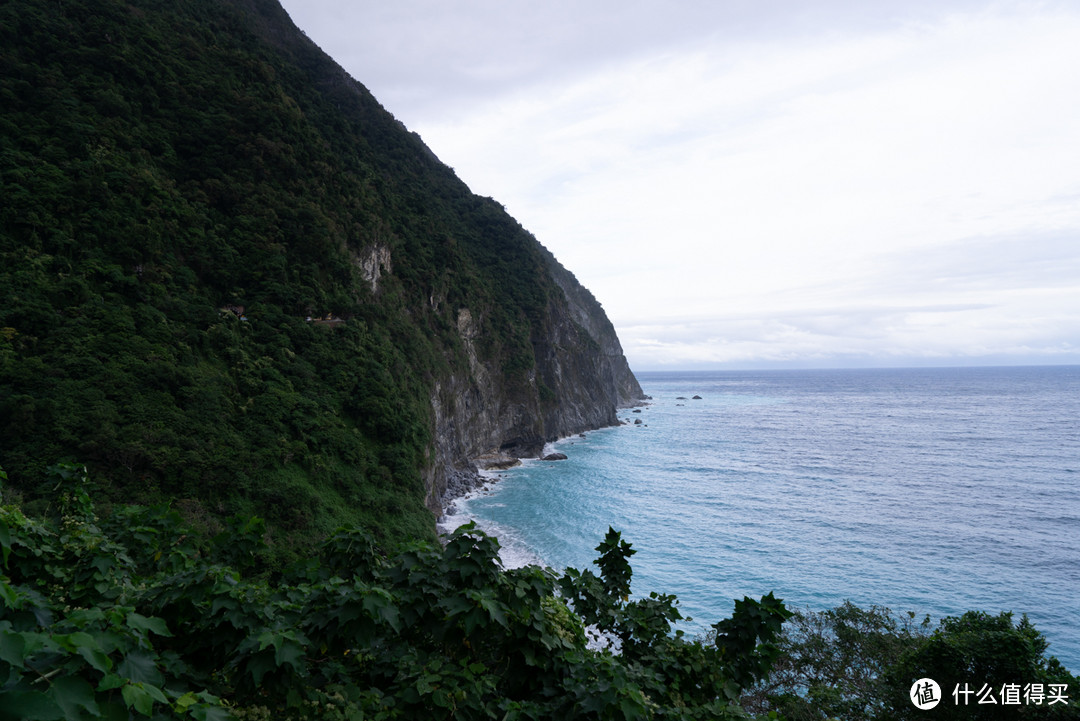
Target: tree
<point x="860" y="664"/>
<point x="992" y="657"/>
<point x="831" y="663"/>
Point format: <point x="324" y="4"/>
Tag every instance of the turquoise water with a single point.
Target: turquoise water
<point x="928" y="490"/>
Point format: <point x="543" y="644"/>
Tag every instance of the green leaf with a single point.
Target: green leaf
<point x="28" y="706"/>
<point x="12" y="648"/>
<point x="139" y="666"/>
<point x="95" y="656"/>
<point x="260" y="665"/>
<point x="147" y="624"/>
<point x="110" y="682"/>
<point x="86" y="646"/>
<point x="72" y="693"/>
<point x="155" y="692"/>
<point x="632" y="708"/>
<point x="456" y="605"/>
<point x="289" y="652"/>
<point x="494" y="609"/>
<point x="72" y="641"/>
<point x="85" y="616"/>
<point x="141" y="697"/>
<point x="210" y="713"/>
<point x="5" y="541"/>
<point x="201" y="706"/>
<point x="379" y="603"/>
<point x="37" y="642"/>
<point x="188" y="699"/>
<point x="9" y="595"/>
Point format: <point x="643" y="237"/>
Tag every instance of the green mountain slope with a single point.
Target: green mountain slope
<point x="230" y="279"/>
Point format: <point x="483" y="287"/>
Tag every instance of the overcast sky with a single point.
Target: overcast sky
<point x="763" y="183"/>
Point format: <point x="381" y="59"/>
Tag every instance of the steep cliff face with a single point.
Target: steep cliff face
<point x="579" y="380"/>
<point x="616" y="378"/>
<point x="229" y="276"/>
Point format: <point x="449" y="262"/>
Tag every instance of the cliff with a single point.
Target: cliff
<point x="230" y="280"/>
<point x="579" y="378"/>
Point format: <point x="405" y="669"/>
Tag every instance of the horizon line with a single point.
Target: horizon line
<point x="805" y="366"/>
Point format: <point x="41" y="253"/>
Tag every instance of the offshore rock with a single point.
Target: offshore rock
<point x="496" y="461"/>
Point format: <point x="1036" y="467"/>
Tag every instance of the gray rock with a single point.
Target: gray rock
<point x="495" y="461"/>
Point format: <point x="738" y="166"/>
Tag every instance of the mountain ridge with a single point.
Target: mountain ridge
<point x="233" y="281"/>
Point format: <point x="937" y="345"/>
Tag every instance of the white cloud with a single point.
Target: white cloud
<point x="771" y="177"/>
<point x="737" y="186"/>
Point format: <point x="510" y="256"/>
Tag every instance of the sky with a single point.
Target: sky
<point x="763" y="183"/>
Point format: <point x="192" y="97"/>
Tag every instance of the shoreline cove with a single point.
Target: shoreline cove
<point x="462" y="481"/>
<point x="479" y="483"/>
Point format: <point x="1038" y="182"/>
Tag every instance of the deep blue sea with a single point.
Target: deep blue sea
<point x="929" y="490"/>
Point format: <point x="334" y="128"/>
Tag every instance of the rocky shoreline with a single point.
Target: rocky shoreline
<point x="459" y="483"/>
<point x="481" y="470"/>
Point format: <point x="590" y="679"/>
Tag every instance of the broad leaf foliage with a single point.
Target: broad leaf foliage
<point x="130" y="616"/>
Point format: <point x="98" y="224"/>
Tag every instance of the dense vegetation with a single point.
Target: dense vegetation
<point x="859" y="665"/>
<point x="183" y="185"/>
<point x="131" y="615"/>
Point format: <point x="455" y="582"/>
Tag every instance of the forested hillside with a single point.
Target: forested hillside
<point x="231" y="280"/>
<point x="233" y="286"/>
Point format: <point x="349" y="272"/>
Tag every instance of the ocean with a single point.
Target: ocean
<point x="936" y="491"/>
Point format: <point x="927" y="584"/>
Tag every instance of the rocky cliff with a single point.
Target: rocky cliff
<point x="579" y="380"/>
<point x="231" y="280"/>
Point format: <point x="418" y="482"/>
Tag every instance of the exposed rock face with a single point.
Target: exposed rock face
<point x="581" y="377"/>
<point x="373" y="261"/>
<point x="615" y="376"/>
<point x="495" y="462"/>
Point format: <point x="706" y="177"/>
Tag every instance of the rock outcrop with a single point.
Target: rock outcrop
<point x="482" y="419"/>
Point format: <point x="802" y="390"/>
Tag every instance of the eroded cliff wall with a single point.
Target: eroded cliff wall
<point x="579" y="380"/>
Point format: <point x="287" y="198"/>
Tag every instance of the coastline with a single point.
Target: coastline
<point x="463" y="481"/>
<point x="802" y="482"/>
<point x="484" y="471"/>
<point x="514" y="552"/>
